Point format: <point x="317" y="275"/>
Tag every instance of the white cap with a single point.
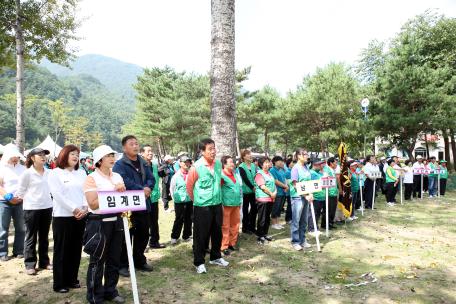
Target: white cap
<point x="102" y="151"/>
<point x="382" y="158"/>
<point x="419" y="156"/>
<point x="9" y="151"/>
<point x="168" y="157"/>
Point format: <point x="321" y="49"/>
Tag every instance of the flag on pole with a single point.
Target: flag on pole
<point x="345" y="200"/>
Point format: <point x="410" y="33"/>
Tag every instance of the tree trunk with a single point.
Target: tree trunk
<point x="453" y="148"/>
<point x="286" y="147"/>
<point x="223" y="105"/>
<point x="159" y="147"/>
<point x="20" y="123"/>
<point x="447" y="147"/>
<point x="322" y="148"/>
<point x="427" y="146"/>
<point x="326" y="149"/>
<point x="237" y="143"/>
<point x="266" y="142"/>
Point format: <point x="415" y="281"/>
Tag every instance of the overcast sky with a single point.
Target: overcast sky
<point x="282" y="40"/>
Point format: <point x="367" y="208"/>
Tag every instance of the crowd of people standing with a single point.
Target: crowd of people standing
<point x="212" y="200"/>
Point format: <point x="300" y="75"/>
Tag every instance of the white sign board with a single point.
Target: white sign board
<point x="439" y="172"/>
<point x="422" y="171"/>
<point x="365" y="102"/>
<point x="115" y="201"/>
<point x="328" y="182"/>
<point x="308" y="187"/>
<point x="375" y="174"/>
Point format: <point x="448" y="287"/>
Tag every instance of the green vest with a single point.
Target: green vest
<point x="250" y="176"/>
<point x="231" y="192"/>
<point x="432" y="168"/>
<point x="181" y="195"/>
<point x="270" y="184"/>
<point x="445" y="175"/>
<point x="393" y="172"/>
<point x="155" y="195"/>
<point x="206" y="191"/>
<point x="320" y="195"/>
<point x="354" y="181"/>
<point x="304" y="176"/>
<point x="331" y="191"/>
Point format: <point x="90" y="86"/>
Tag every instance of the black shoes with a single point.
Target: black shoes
<point x="247" y="231"/>
<point x="157" y="245"/>
<point x="124" y="272"/>
<point x="76" y="285"/>
<point x="338" y="223"/>
<point x="145" y="267"/>
<point x="62" y="290"/>
<point x="208" y="250"/>
<point x="226" y="252"/>
<point x="234" y="248"/>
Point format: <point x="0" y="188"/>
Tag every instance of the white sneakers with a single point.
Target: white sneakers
<point x="306" y="245"/>
<point x="201" y="269"/>
<point x="277" y="226"/>
<point x="173" y="241"/>
<point x="297" y="247"/>
<point x="220" y="262"/>
<point x="353" y="217"/>
<point x="186" y="240"/>
<point x="168" y="210"/>
<point x="315" y="233"/>
<point x="430" y="196"/>
<point x="390" y="204"/>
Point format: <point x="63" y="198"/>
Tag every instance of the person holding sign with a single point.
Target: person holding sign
<point x="183" y="205"/>
<point x="299" y="204"/>
<point x="319" y="197"/>
<point x="330" y="169"/>
<point x="104" y="234"/>
<point x="443" y="177"/>
<point x="408" y="180"/>
<point x="70" y="207"/>
<point x="231" y="200"/>
<point x="136" y="174"/>
<point x="369" y="183"/>
<point x="247" y="171"/>
<point x="390" y="183"/>
<point x="355" y="188"/>
<point x="432" y="178"/>
<point x="417" y="176"/>
<point x="203" y="187"/>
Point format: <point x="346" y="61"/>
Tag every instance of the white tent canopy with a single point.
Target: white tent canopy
<point x="48" y="144"/>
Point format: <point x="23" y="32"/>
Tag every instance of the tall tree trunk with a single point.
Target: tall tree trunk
<point x="446" y="142"/>
<point x="237" y="143"/>
<point x="266" y="142"/>
<point x="160" y="139"/>
<point x="286" y="146"/>
<point x="20" y="123"/>
<point x="159" y="147"/>
<point x="223" y="104"/>
<point x="326" y="149"/>
<point x="427" y="146"/>
<point x="453" y="148"/>
<point x="322" y="148"/>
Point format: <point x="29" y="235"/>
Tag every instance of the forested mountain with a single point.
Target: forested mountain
<point x="106" y="111"/>
<point x="116" y="75"/>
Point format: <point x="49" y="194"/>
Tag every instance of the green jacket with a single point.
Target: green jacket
<point x="270" y="184"/>
<point x="155" y="195"/>
<point x="178" y="190"/>
<point x="207" y="191"/>
<point x="432" y="168"/>
<point x="250" y="176"/>
<point x="231" y="192"/>
<point x="354" y="181"/>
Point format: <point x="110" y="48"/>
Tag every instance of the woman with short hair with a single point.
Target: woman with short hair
<point x="247" y="171"/>
<point x="278" y="173"/>
<point x="265" y="195"/>
<point x="289" y="213"/>
<point x="34" y="189"/>
<point x="390" y="182"/>
<point x="70" y="207"/>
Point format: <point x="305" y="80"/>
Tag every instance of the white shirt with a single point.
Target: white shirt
<point x="368" y="168"/>
<point x="66" y="189"/>
<point x="418" y="166"/>
<point x="10" y="175"/>
<point x="408" y="176"/>
<point x="98" y="181"/>
<point x="34" y="189"/>
<point x="337" y="171"/>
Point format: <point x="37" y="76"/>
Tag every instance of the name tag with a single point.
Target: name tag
<point x="439" y="172"/>
<point x="375" y="174"/>
<point x="328" y="182"/>
<point x="308" y="187"/>
<point x="115" y="201"/>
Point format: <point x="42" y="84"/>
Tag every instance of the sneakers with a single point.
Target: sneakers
<point x="349" y="219"/>
<point x="360" y="209"/>
<point x="281" y="227"/>
<point x="201" y="269"/>
<point x="313" y="233"/>
<point x="353" y="217"/>
<point x="220" y="262"/>
<point x="297" y="247"/>
<point x="431" y="196"/>
<point x="277" y="227"/>
<point x="173" y="241"/>
<point x="390" y="204"/>
<point x="168" y="210"/>
<point x="4" y="258"/>
<point x="306" y="245"/>
<point x="186" y="240"/>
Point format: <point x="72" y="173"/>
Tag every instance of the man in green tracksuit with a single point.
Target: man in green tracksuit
<point x="204" y="188"/>
<point x="332" y="196"/>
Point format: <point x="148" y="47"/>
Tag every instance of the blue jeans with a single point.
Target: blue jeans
<point x="300" y="209"/>
<point x="432" y="185"/>
<point x="8" y="211"/>
<point x="354" y="199"/>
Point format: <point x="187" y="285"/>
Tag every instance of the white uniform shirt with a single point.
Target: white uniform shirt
<point x="418" y="166"/>
<point x="10" y="175"/>
<point x="337" y="171"/>
<point x="66" y="189"/>
<point x="408" y="176"/>
<point x="98" y="181"/>
<point x="34" y="189"/>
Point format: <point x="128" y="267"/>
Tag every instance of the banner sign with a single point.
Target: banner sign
<point x="115" y="201"/>
<point x="328" y="182"/>
<point x="308" y="187"/>
<point x="439" y="172"/>
<point x="375" y="174"/>
<point x="422" y="171"/>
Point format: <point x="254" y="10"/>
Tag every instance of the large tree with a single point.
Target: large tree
<point x="32" y="30"/>
<point x="223" y="103"/>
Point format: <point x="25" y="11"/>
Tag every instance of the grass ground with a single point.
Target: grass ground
<point x="409" y="248"/>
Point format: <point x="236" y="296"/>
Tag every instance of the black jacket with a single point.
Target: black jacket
<point x="164" y="173"/>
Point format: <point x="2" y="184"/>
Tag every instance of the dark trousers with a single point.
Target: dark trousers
<point x="37" y="225"/>
<point x="249" y="217"/>
<point x="318" y="206"/>
<point x="357" y="202"/>
<point x="332" y="206"/>
<point x="289" y="212"/>
<point x="355" y="198"/>
<point x="139" y="235"/>
<point x="68" y="233"/>
<point x="154" y="232"/>
<point x="110" y="259"/>
<point x="442" y="186"/>
<point x="425" y="183"/>
<point x="166" y="195"/>
<point x="369" y="189"/>
<point x="207" y="223"/>
<point x="264" y="217"/>
<point x="184" y="212"/>
<point x="390" y="192"/>
<point x="417" y="185"/>
<point x="408" y="191"/>
<point x="382" y="182"/>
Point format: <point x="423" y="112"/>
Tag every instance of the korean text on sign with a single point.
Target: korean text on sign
<point x="328" y="182"/>
<point x="439" y="172"/>
<point x="308" y="187"/>
<point x="115" y="202"/>
<point x="422" y="171"/>
<point x="375" y="174"/>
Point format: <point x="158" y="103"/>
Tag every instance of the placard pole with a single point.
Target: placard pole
<point x="130" y="261"/>
<point x="361" y="192"/>
<point x="421" y="186"/>
<point x="315" y="226"/>
<point x="439" y="184"/>
<point x="327" y="214"/>
<point x="373" y="195"/>
<point x="400" y="178"/>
